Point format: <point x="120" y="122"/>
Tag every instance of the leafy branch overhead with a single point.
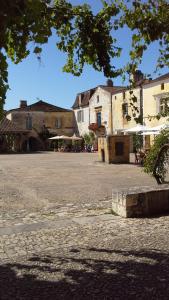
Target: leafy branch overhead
<point x="87" y="38"/>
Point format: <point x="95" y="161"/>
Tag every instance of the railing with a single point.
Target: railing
<point x="95" y="126"/>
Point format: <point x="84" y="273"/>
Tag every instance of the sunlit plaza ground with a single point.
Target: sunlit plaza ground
<point x="59" y="239"/>
<point x="51" y="180"/>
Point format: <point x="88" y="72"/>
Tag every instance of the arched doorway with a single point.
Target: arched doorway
<point x="32" y="145"/>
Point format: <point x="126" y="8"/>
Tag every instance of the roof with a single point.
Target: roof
<point x="7" y="126"/>
<point x="85" y="96"/>
<point x="41" y="106"/>
<point x="162" y="77"/>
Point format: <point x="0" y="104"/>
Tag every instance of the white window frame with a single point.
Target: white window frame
<point x="58" y="123"/>
<point x="158" y="99"/>
<point x="80" y="116"/>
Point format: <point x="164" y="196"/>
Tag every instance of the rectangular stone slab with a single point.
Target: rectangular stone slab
<point x="140" y="202"/>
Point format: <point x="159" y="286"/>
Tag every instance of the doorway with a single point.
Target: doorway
<point x="102" y="155"/>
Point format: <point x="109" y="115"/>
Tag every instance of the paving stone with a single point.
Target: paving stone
<point x="58" y="246"/>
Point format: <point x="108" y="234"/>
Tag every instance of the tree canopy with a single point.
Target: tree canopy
<point x="87" y="38"/>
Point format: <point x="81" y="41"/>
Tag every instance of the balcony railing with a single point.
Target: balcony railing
<point x="95" y="126"/>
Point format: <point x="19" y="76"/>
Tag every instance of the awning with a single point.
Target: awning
<point x="65" y="137"/>
<point x="138" y="128"/>
<point x="76" y="138"/>
<point x="60" y="137"/>
<point x="150" y="133"/>
<point x="159" y="127"/>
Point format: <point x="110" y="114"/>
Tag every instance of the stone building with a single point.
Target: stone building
<point x="109" y="109"/>
<point x="155" y="102"/>
<point x="155" y="93"/>
<point x="40" y="120"/>
<point x="11" y="136"/>
<point x="93" y="109"/>
<point x="127" y="105"/>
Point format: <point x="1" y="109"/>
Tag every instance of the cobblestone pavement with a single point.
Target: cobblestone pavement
<point x="59" y="241"/>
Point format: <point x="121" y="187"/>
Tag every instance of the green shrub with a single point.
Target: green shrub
<point x="137" y="141"/>
<point x="150" y="160"/>
<point x="89" y="138"/>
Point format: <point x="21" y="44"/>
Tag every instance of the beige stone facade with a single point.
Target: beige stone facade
<point x="41" y="120"/>
<point x="108" y="110"/>
<point x="153" y="93"/>
<point x="122" y="109"/>
<point x="114" y="148"/>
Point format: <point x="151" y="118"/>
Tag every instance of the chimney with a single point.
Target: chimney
<point x="109" y="82"/>
<point x="23" y="103"/>
<point x="80" y="99"/>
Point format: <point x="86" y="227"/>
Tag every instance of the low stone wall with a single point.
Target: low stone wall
<point x="140" y="202"/>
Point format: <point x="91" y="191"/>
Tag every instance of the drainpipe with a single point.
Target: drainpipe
<point x="141" y="104"/>
<point x="111" y="114"/>
<point x="89" y="114"/>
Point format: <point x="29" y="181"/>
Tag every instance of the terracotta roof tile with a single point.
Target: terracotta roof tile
<point x="7" y="126"/>
<point x="162" y="77"/>
<point x="86" y="96"/>
<point x="41" y="106"/>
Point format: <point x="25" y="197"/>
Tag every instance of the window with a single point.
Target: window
<point x="97" y="99"/>
<point x="99" y="118"/>
<point x="162" y="86"/>
<point x="124" y="95"/>
<point x="29" y="122"/>
<point x="58" y="123"/>
<point x="125" y="109"/>
<point x="119" y="148"/>
<point x="164" y="108"/>
<point x="80" y="116"/>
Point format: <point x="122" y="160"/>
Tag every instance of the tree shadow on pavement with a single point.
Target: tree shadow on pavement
<point x="88" y="273"/>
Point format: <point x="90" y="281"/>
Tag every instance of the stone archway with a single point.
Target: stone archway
<point x="32" y="144"/>
<point x="3" y="144"/>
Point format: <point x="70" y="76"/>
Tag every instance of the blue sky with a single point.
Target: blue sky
<point x="31" y="80"/>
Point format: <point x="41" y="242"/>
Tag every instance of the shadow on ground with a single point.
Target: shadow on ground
<point x="88" y="274"/>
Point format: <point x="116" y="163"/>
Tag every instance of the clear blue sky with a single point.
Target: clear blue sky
<point x="30" y="79"/>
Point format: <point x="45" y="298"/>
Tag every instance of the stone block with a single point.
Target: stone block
<point x="140" y="202"/>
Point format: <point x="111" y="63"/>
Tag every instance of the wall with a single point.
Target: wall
<point x="101" y="101"/>
<point x="39" y="119"/>
<point x="82" y="127"/>
<point x="140" y="202"/>
<point x="151" y="94"/>
<point x="120" y="122"/>
<point x="67" y="122"/>
<point x="107" y="146"/>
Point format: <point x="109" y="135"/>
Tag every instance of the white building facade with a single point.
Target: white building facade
<point x="93" y="110"/>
